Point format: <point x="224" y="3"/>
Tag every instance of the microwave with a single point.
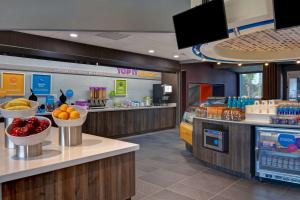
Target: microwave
<point x="216" y="140"/>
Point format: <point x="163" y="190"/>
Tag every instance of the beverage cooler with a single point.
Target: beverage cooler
<point x="278" y="154"/>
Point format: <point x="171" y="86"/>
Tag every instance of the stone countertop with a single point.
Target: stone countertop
<point x="55" y="157"/>
<point x="111" y="109"/>
<point x="254" y="123"/>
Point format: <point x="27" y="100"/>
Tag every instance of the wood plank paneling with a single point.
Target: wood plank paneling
<point x="108" y="179"/>
<point x="239" y="159"/>
<point x="116" y="124"/>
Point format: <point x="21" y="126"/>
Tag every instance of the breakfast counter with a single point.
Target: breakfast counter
<point x="236" y="155"/>
<point x="121" y="122"/>
<point x="88" y="171"/>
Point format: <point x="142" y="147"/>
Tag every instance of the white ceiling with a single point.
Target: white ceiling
<point x="164" y="44"/>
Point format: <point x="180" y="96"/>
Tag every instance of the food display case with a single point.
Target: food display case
<point x="278" y="154"/>
<point x="186" y="128"/>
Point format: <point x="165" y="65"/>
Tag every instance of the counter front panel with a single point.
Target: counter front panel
<point x="114" y="124"/>
<point x="238" y="159"/>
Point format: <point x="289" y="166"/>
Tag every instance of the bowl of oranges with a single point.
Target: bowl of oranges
<point x="68" y="116"/>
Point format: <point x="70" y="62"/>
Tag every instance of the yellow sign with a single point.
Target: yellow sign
<point x="2" y="93"/>
<point x="13" y="84"/>
<point x="148" y="74"/>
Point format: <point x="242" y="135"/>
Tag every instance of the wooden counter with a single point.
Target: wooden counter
<point x="100" y="168"/>
<point x="122" y="122"/>
<point x="239" y="159"/>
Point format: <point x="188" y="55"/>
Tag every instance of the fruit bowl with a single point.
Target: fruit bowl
<point x="19" y="113"/>
<point x="72" y="122"/>
<point x="31" y="139"/>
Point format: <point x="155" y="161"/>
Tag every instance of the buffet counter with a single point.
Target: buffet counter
<point x="121" y="122"/>
<point x="230" y="146"/>
<point x="65" y="172"/>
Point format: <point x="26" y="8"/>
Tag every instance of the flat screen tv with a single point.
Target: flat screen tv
<point x="286" y="13"/>
<point x="202" y="24"/>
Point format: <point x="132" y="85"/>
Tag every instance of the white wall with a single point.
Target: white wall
<point x="137" y="87"/>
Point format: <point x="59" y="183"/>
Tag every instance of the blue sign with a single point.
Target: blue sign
<point x="41" y="84"/>
<point x="69" y="93"/>
<point x="49" y="100"/>
<point x="286" y="139"/>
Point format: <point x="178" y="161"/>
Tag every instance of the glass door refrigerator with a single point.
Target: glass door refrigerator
<point x="278" y="154"/>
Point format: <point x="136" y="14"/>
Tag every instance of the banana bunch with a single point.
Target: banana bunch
<point x="18" y="104"/>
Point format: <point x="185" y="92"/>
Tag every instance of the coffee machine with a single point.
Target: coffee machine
<point x="161" y="94"/>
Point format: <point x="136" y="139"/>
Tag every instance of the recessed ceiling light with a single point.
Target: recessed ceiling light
<point x="298" y="61"/>
<point x="73" y="35"/>
<point x="219" y="63"/>
<point x="266" y="64"/>
<point x="240" y="64"/>
<point x="176" y="56"/>
<point x="151" y="51"/>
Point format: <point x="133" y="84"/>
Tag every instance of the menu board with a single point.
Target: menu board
<point x="13" y="83"/>
<point x="121" y="87"/>
<point x="41" y="84"/>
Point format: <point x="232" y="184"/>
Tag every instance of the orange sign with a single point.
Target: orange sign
<point x="13" y="84"/>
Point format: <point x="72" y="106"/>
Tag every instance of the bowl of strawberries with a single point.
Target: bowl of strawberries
<point x="29" y="130"/>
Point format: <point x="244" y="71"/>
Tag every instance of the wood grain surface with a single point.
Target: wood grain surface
<point x="108" y="179"/>
<point x="116" y="124"/>
<point x="239" y="159"/>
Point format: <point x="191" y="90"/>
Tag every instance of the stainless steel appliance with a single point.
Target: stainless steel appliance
<point x="215" y="139"/>
<point x="278" y="154"/>
<point x="161" y="93"/>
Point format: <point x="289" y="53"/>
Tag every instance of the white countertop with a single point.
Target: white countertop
<point x="110" y="109"/>
<point x="55" y="157"/>
<point x="254" y="123"/>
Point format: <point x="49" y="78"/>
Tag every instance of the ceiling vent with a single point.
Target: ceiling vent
<point x="113" y="35"/>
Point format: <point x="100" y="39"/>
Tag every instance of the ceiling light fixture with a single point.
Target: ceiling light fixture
<point x="298" y="61"/>
<point x="266" y="64"/>
<point x="176" y="56"/>
<point x="151" y="51"/>
<point x="73" y="35"/>
<point x="240" y="64"/>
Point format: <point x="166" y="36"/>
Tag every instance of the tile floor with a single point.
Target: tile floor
<point x="166" y="171"/>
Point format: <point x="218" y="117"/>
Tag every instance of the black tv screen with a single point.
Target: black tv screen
<point x="286" y="13"/>
<point x="202" y="24"/>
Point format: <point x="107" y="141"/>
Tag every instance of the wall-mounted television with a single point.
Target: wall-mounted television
<point x="202" y="24"/>
<point x="286" y="13"/>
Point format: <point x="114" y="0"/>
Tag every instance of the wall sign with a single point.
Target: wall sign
<point x="69" y="93"/>
<point x="139" y="73"/>
<point x="121" y="87"/>
<point x="13" y="83"/>
<point x="41" y="84"/>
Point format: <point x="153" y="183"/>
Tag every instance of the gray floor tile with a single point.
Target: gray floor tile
<point x="162" y="177"/>
<point x="138" y="196"/>
<point x="188" y="191"/>
<point x="145" y="168"/>
<point x="146" y="188"/>
<point x="209" y="182"/>
<point x="257" y="189"/>
<point x="165" y="170"/>
<point x="169" y="195"/>
<point x="219" y="198"/>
